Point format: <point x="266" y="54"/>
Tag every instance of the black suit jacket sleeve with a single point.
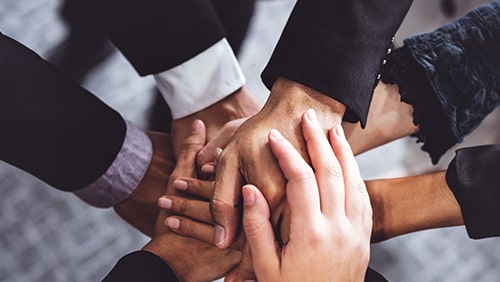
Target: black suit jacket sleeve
<point x="473" y="177"/>
<point x="156" y="35"/>
<point x="141" y="266"/>
<point x="337" y="47"/>
<point x="51" y="127"/>
<point x="146" y="267"/>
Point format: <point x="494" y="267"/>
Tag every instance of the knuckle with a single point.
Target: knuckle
<point x="190" y="146"/>
<point x="304" y="175"/>
<point x="203" y="156"/>
<point x="219" y="207"/>
<point x="358" y="186"/>
<point x="253" y="226"/>
<point x="333" y="170"/>
<point x="183" y="207"/>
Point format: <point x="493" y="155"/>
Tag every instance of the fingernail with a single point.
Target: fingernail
<point x="173" y="223"/>
<point x="339" y="131"/>
<point x="220" y="235"/>
<point x="180" y="185"/>
<point x="196" y="126"/>
<point x="248" y="196"/>
<point x="275" y="134"/>
<point x="218" y="151"/>
<point x="208" y="168"/>
<point x="165" y="203"/>
<point x="311" y="115"/>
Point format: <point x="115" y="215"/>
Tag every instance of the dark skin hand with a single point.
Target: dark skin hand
<point x="191" y="259"/>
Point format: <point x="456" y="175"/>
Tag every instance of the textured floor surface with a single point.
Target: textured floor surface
<point x="48" y="235"/>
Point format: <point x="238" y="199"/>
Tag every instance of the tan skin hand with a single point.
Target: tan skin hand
<point x="240" y="104"/>
<point x="247" y="158"/>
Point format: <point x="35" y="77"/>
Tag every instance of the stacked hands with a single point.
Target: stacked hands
<point x="326" y="212"/>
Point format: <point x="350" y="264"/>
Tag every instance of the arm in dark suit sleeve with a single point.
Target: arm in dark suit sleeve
<point x="473" y="177"/>
<point x="51" y="127"/>
<point x="156" y="35"/>
<point x="336" y="47"/>
<point x="141" y="266"/>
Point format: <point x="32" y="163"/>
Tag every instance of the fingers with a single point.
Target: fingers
<point x="302" y="194"/>
<point x="328" y="170"/>
<point x="191" y="228"/>
<point x="199" y="188"/>
<point x="198" y="210"/>
<point x="258" y="231"/>
<point x="209" y="152"/>
<point x="357" y="202"/>
<point x="190" y="147"/>
<point x="224" y="203"/>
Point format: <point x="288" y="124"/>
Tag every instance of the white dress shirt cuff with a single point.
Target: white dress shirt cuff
<point x="201" y="81"/>
<point x="124" y="174"/>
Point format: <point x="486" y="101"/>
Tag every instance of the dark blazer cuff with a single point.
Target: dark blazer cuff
<point x="473" y="178"/>
<point x="141" y="266"/>
<point x="337" y="48"/>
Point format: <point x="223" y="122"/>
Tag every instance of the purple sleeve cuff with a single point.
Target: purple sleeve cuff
<point x="124" y="174"/>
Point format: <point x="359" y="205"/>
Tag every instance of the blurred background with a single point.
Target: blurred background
<point x="48" y="235"/>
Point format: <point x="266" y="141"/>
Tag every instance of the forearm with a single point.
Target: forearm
<point x="388" y="119"/>
<point x="409" y="204"/>
<point x="53" y="128"/>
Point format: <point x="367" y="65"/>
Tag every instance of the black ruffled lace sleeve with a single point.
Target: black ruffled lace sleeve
<point x="415" y="89"/>
<point x="451" y="77"/>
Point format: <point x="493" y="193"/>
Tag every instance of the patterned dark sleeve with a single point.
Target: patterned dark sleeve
<point x="458" y="64"/>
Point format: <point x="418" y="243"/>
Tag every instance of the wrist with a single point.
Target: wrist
<point x="377" y="203"/>
<point x="288" y="96"/>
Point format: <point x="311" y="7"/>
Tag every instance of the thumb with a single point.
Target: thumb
<point x="191" y="146"/>
<point x="221" y="139"/>
<point x="259" y="233"/>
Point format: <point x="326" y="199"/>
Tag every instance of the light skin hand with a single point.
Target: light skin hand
<point x="191" y="259"/>
<point x="240" y="104"/>
<point x="248" y="158"/>
<point x="388" y="119"/>
<point x="330" y="220"/>
<point x="140" y="209"/>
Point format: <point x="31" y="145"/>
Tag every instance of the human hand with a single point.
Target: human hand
<point x="389" y="118"/>
<point x="240" y="104"/>
<point x="207" y="156"/>
<point x="248" y="157"/>
<point x="331" y="217"/>
<point x="191" y="259"/>
<point x="190" y="212"/>
<point x="140" y="209"/>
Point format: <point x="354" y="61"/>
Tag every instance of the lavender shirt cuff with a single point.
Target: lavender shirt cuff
<point x="124" y="174"/>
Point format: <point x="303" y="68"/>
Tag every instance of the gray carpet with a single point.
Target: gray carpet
<point x="48" y="235"/>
